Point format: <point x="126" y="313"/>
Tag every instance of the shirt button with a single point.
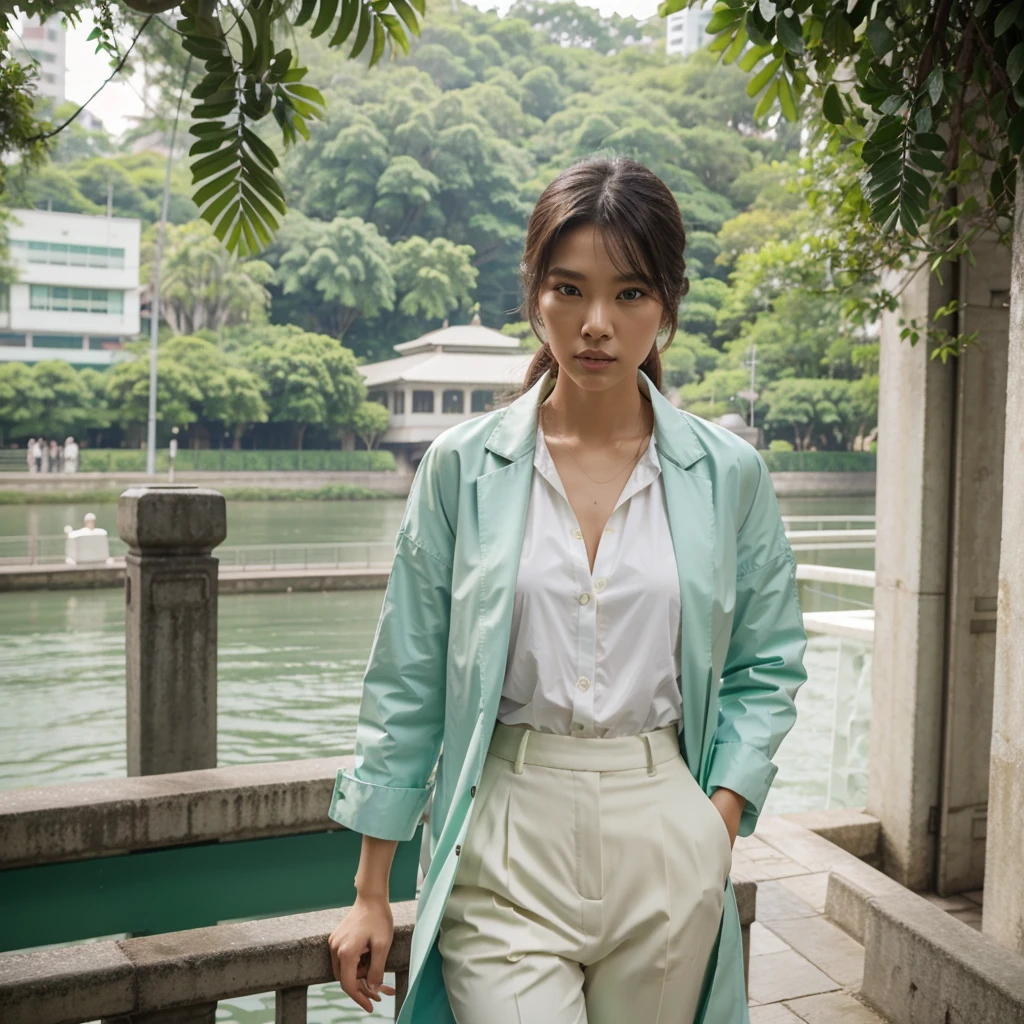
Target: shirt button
<point x="458" y="850"/>
<point x="472" y="791"/>
<point x="577" y="533"/>
<point x="583" y="684"/>
<point x="599" y="585"/>
<point x="584" y="599"/>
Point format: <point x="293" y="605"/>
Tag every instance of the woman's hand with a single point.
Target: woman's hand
<point x="359" y="949"/>
<point x="729" y="805"/>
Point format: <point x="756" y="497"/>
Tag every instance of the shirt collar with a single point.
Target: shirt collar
<point x="645" y="472"/>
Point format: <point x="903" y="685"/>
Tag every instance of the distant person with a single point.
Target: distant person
<point x="44" y="455"/>
<point x="55" y="454"/>
<point x="70" y="455"/>
<point x="30" y="454"/>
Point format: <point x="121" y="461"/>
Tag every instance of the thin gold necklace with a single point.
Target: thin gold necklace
<point x="630" y="462"/>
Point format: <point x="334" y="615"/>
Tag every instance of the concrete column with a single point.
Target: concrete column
<point x="976" y="512"/>
<point x="939" y="505"/>
<point x="1003" y="916"/>
<point x="914" y="440"/>
<point x="171" y="625"/>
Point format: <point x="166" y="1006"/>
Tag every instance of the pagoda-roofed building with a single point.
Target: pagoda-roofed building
<point x="441" y="378"/>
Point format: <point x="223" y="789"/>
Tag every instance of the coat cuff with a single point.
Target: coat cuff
<point x="745" y="770"/>
<point x="384" y="812"/>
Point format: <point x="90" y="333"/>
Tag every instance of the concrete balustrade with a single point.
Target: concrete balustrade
<point x="178" y="978"/>
<point x="104" y="817"/>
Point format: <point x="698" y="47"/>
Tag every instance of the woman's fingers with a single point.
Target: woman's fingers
<point x="351" y="985"/>
<point x="378" y="957"/>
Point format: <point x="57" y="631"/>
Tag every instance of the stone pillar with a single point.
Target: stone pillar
<point x="939" y="502"/>
<point x="976" y="511"/>
<point x="171" y="625"/>
<point x="912" y="510"/>
<point x="1003" y="914"/>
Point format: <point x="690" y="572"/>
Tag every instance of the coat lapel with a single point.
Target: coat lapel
<point x="691" y="517"/>
<point x="503" y="495"/>
<point x="502" y="500"/>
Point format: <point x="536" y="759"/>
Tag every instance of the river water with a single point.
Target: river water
<point x="289" y="669"/>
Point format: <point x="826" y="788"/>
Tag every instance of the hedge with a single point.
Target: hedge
<point x="333" y="492"/>
<point x="226" y="460"/>
<point x="819" y="462"/>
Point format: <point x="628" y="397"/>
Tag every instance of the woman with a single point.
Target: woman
<point x="593" y="612"/>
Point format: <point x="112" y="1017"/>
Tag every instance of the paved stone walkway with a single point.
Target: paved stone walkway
<point x="966" y="907"/>
<point x="803" y="968"/>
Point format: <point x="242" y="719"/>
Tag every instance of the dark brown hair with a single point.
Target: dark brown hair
<point x="640" y="222"/>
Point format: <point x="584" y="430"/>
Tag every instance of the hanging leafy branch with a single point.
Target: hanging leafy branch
<point x="235" y="170"/>
<point x="917" y="106"/>
<point x="246" y="78"/>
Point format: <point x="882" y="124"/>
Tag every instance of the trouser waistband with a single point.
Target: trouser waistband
<point x="613" y="754"/>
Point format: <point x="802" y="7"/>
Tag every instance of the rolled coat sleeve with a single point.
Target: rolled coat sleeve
<point x="401" y="712"/>
<point x="764" y="663"/>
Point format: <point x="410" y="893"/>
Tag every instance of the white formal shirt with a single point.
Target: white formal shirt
<point x="595" y="654"/>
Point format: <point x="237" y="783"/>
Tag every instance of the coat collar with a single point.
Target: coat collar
<point x="514" y="435"/>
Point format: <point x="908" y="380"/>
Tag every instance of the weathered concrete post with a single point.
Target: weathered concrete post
<point x="1003" y="915"/>
<point x="171" y="625"/>
<point x="940" y="473"/>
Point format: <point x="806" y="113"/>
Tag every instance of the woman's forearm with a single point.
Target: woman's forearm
<point x="374" y="871"/>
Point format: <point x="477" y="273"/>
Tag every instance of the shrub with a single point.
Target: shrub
<point x="819" y="462"/>
<point x="226" y="460"/>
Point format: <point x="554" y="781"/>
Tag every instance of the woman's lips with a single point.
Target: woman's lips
<point x="593" y="361"/>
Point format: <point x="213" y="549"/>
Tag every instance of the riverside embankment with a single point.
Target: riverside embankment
<point x="46" y="488"/>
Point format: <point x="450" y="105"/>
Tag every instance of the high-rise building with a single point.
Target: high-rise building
<point x="76" y="296"/>
<point x="46" y="44"/>
<point x="685" y="31"/>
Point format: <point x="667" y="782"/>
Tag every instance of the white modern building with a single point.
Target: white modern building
<point x="77" y="291"/>
<point x="46" y="45"/>
<point x="685" y="31"/>
<point x="445" y="376"/>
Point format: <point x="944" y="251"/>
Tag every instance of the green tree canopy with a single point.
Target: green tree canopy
<point x="204" y="286"/>
<point x="310" y="380"/>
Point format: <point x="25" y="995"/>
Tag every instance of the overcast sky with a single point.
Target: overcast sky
<point x="119" y="101"/>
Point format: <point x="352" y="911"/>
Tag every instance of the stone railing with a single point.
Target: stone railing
<point x="178" y="977"/>
<point x="105" y="817"/>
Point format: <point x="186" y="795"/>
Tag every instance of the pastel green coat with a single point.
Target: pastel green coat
<point x="437" y="662"/>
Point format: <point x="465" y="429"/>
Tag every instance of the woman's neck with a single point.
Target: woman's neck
<point x="597" y="417"/>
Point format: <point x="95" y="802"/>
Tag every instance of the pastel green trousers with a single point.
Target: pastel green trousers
<point x="590" y="884"/>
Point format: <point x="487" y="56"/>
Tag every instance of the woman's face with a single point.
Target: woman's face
<point x="599" y="325"/>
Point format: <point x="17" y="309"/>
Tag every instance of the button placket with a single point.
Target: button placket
<point x="586" y="639"/>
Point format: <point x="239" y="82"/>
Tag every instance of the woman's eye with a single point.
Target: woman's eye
<point x="631" y="294"/>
